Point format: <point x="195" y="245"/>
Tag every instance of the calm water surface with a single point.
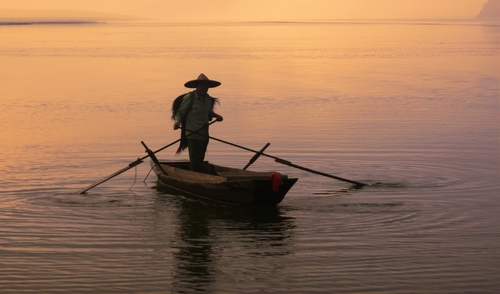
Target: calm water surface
<point x="412" y="107"/>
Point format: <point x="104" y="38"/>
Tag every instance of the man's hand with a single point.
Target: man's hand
<point x="218" y="117"/>
<point x="177" y="126"/>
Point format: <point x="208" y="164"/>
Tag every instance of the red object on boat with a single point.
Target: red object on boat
<point x="277" y="181"/>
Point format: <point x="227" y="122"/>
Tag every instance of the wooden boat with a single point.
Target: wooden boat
<point x="223" y="184"/>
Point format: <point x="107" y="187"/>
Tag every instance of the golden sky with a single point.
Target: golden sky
<point x="262" y="9"/>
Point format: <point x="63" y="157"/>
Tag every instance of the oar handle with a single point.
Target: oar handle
<point x="256" y="156"/>
<point x="153" y="157"/>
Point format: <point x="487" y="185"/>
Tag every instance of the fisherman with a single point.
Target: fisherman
<point x="194" y="114"/>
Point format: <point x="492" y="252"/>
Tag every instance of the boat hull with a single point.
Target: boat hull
<point x="223" y="184"/>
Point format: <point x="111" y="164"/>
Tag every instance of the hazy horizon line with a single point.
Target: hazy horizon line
<point x="64" y="15"/>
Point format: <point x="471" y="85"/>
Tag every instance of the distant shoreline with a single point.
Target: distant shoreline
<point x="63" y="22"/>
<point x="469" y="21"/>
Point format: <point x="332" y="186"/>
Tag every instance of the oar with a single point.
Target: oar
<point x="137" y="162"/>
<point x="286" y="162"/>
<point x="257" y="155"/>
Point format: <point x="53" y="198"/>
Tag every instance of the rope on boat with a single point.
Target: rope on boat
<point x="148" y="173"/>
<point x="135" y="179"/>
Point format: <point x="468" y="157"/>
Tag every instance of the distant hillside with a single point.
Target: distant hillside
<point x="491" y="10"/>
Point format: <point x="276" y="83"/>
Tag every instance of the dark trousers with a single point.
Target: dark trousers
<point x="197" y="150"/>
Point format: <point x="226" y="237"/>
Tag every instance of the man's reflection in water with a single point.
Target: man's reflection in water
<point x="195" y="259"/>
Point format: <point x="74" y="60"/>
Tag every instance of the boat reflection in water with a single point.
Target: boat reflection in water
<point x="210" y="236"/>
